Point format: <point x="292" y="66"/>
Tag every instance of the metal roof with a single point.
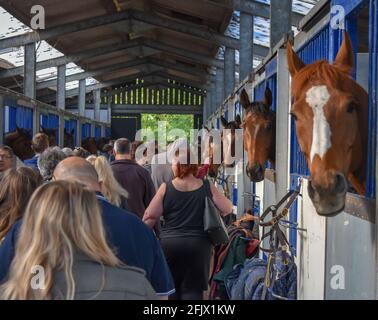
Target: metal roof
<point x="176" y="39"/>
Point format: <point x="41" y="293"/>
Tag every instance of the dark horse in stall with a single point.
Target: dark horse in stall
<point x="100" y="143"/>
<point x="259" y="127"/>
<point x="90" y="145"/>
<point x="331" y="113"/>
<point x="20" y="142"/>
<point x="52" y="134"/>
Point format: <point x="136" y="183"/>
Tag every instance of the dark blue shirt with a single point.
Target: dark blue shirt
<point x="134" y="243"/>
<point x="32" y="163"/>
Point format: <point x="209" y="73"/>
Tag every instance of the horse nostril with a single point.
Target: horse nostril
<point x="341" y="185"/>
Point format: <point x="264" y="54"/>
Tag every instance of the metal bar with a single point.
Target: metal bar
<point x="160" y="109"/>
<point x="32" y="37"/>
<point x="75" y="57"/>
<point x="1" y="118"/>
<point x="82" y="97"/>
<point x="181" y="80"/>
<point x="110" y="98"/>
<point x="229" y="71"/>
<point x="319" y="6"/>
<point x="97" y="102"/>
<point x="36" y="120"/>
<point x="158" y="80"/>
<point x="196" y="57"/>
<point x="30" y="71"/>
<point x="93" y="73"/>
<point x="246" y="48"/>
<point x="181" y="68"/>
<point x="61" y="130"/>
<point x="61" y="88"/>
<point x="280" y="20"/>
<point x="282" y="125"/>
<point x="219" y="87"/>
<point x="190" y="29"/>
<point x="255" y="8"/>
<point x="78" y="133"/>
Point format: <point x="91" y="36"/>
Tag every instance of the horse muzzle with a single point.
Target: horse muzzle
<point x="256" y="173"/>
<point x="329" y="202"/>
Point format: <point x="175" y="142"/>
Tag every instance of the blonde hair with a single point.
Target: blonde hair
<point x="110" y="187"/>
<point x="61" y="218"/>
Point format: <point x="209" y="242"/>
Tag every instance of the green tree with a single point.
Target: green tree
<point x="174" y="121"/>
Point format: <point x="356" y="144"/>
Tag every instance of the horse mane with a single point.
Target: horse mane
<point x="333" y="76"/>
<point x="260" y="108"/>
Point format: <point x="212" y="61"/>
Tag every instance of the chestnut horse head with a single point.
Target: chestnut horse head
<point x="259" y="134"/>
<point x="51" y="133"/>
<point x="331" y="114"/>
<point x="20" y="142"/>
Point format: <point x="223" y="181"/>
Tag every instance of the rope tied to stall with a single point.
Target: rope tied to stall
<point x="278" y="242"/>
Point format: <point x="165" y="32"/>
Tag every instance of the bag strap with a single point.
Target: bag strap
<point x="208" y="188"/>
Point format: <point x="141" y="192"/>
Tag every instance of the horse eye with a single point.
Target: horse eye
<point x="294" y="116"/>
<point x="351" y="108"/>
<point x="269" y="126"/>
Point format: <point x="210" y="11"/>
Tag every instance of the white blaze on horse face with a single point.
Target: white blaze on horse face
<point x="317" y="98"/>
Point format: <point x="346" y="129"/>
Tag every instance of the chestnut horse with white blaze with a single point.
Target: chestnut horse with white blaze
<point x="259" y="127"/>
<point x="331" y="113"/>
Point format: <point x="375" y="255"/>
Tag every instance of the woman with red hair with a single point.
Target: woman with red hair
<point x="186" y="246"/>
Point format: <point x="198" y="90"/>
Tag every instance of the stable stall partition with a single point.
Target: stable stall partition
<point x="336" y="255"/>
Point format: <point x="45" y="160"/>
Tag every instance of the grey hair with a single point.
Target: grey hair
<point x="68" y="152"/>
<point x="122" y="146"/>
<point x="48" y="160"/>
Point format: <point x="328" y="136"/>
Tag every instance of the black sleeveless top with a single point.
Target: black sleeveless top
<point x="183" y="213"/>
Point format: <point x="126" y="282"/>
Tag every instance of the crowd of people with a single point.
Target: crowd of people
<point x="107" y="226"/>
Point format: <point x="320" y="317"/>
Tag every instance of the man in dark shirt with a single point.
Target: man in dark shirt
<point x="132" y="241"/>
<point x="132" y="177"/>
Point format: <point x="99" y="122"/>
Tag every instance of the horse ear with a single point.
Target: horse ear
<point x="72" y="132"/>
<point x="244" y="99"/>
<point x="224" y="122"/>
<point x="18" y="129"/>
<point x="238" y="120"/>
<point x="42" y="128"/>
<point x="268" y="98"/>
<point x="294" y="62"/>
<point x="345" y="57"/>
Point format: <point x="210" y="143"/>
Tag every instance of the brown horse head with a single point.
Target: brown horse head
<point x="89" y="144"/>
<point x="259" y="134"/>
<point x="69" y="141"/>
<point x="224" y="149"/>
<point x="331" y="114"/>
<point x="51" y="133"/>
<point x="20" y="142"/>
